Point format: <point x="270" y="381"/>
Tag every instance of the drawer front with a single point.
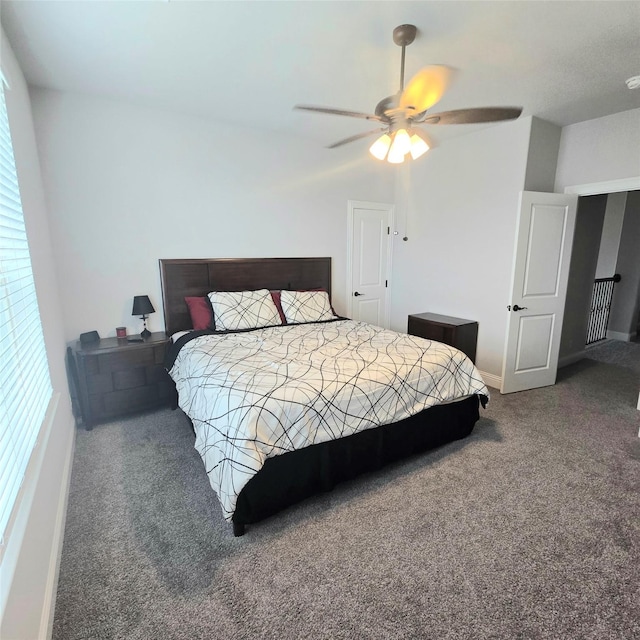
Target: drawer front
<point x="100" y="383"/>
<point x="129" y="378"/>
<point x="127" y="400"/>
<point x="90" y="364"/>
<point x="120" y="360"/>
<point x="430" y="331"/>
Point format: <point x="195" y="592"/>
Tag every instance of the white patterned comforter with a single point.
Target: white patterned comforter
<point x="257" y="394"/>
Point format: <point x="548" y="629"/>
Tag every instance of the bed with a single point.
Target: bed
<point x="284" y="411"/>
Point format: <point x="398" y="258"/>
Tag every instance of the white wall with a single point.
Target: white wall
<point x="28" y="573"/>
<point x="129" y="185"/>
<point x="600" y="150"/>
<point x="460" y="219"/>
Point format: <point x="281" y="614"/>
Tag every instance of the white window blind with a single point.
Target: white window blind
<point x="25" y="387"/>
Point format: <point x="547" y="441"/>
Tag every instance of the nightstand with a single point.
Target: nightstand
<point x="114" y="376"/>
<point x="457" y="332"/>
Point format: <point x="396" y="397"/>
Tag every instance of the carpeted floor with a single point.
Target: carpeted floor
<point x="624" y="354"/>
<point x="529" y="528"/>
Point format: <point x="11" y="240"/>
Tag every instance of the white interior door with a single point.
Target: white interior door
<point x="369" y="262"/>
<point x="544" y="238"/>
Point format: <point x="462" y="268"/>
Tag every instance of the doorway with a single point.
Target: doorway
<point x="589" y="262"/>
<point x="369" y="251"/>
<point x="569" y="356"/>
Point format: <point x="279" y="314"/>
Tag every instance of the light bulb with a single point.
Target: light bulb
<point x="401" y="142"/>
<point x="418" y="146"/>
<point x="380" y="147"/>
<point x="395" y="157"/>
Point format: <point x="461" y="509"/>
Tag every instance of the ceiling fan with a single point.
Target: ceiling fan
<point x="399" y="115"/>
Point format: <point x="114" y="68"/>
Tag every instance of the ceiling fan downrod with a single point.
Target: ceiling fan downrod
<point x="403" y="36"/>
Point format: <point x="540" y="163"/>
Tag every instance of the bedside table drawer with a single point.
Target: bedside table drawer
<point x="129" y="378"/>
<point x="99" y="383"/>
<point x="132" y="399"/>
<point x="428" y="331"/>
<point x="125" y="360"/>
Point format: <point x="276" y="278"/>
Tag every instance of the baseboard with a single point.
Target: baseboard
<point x="571" y="358"/>
<point x="51" y="589"/>
<point x="618" y="335"/>
<point x="491" y="380"/>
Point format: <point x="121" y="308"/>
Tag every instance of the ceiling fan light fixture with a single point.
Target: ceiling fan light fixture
<point x="380" y="147"/>
<point x="419" y="146"/>
<point x="400" y="146"/>
<point x="395" y="158"/>
<point x="401" y="142"/>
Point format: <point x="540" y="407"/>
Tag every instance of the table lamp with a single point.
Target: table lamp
<point x="142" y="307"/>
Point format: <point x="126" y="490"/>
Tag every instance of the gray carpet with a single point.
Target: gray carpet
<point x="529" y="528"/>
<point x="624" y="354"/>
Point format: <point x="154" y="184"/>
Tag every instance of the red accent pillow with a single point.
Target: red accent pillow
<point x="201" y="312"/>
<point x="276" y="300"/>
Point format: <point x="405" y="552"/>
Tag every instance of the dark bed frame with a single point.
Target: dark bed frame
<point x="289" y="478"/>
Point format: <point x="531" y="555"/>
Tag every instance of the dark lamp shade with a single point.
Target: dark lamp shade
<point x="142" y="306"/>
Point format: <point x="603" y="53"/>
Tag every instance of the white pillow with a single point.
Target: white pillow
<point x="306" y="306"/>
<point x="234" y="310"/>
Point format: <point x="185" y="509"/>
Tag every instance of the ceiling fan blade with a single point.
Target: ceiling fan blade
<point x="354" y="138"/>
<point x="426" y="88"/>
<point x="338" y="112"/>
<point x="472" y="116"/>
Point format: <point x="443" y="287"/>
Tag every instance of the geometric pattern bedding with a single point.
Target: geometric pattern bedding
<point x="306" y="306"/>
<point x="261" y="393"/>
<point x="236" y="310"/>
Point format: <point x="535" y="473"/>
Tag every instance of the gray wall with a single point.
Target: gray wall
<point x="611" y="231"/>
<point x="584" y="259"/>
<point x="542" y="157"/>
<point x="624" y="309"/>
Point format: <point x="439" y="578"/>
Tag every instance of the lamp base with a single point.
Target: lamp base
<point x="145" y="333"/>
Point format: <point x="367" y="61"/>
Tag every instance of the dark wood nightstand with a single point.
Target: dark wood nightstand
<point x="457" y="332"/>
<point x="115" y="376"/>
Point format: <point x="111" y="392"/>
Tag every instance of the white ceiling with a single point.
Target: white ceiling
<point x="250" y="62"/>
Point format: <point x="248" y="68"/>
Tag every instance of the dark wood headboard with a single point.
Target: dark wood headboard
<point x="194" y="277"/>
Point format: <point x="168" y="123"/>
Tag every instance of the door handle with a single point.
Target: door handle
<point x="357" y="293"/>
<point x="516" y="307"/>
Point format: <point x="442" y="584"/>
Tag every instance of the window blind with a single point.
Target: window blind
<point x="25" y="386"/>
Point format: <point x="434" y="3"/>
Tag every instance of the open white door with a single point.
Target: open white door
<point x="544" y="238"/>
<point x="369" y="261"/>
